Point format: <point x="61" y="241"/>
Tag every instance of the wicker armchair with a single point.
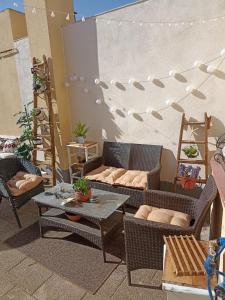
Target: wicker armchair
<point x="8" y="168"/>
<point x="144" y="239"/>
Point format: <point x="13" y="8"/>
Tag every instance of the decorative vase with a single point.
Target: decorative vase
<point x="188" y="183"/>
<point x="80" y="139"/>
<point x="83" y="198"/>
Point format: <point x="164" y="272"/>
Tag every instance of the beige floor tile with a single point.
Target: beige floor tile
<point x="113" y="282"/>
<point x="5" y="285"/>
<point x="9" y="257"/>
<point x="29" y="275"/>
<point x="57" y="288"/>
<point x="95" y="297"/>
<point x="17" y="294"/>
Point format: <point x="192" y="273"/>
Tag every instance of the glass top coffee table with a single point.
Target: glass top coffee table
<point x="100" y="217"/>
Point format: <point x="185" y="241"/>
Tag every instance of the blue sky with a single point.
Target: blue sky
<point x="83" y="7"/>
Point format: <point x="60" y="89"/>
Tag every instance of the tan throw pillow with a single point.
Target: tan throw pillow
<point x="162" y="215"/>
<point x="133" y="179"/>
<point x="23" y="182"/>
<point x="105" y="174"/>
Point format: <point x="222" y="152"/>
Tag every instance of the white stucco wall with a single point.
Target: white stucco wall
<point x="109" y="51"/>
<point x="23" y="65"/>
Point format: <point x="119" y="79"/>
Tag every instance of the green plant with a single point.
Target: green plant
<point x="80" y="129"/>
<point x="25" y="121"/>
<point x="191" y="151"/>
<point x="81" y="185"/>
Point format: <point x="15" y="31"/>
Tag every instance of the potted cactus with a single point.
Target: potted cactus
<point x="80" y="132"/>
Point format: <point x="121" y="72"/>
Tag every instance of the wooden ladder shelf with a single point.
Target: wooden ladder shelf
<point x="204" y="160"/>
<point x="44" y="97"/>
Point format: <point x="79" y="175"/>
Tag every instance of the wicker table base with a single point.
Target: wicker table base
<point x="95" y="230"/>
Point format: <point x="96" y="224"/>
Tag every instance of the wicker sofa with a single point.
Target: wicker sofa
<point x="130" y="157"/>
<point x="144" y="239"/>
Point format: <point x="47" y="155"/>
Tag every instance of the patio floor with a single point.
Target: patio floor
<point x="21" y="278"/>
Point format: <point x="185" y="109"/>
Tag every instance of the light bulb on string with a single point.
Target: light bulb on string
<point x="189" y="89"/>
<point x="52" y="14"/>
<point x="211" y="69"/>
<point x="172" y="72"/>
<point x="113" y="82"/>
<point x="150" y="78"/>
<point x="198" y="63"/>
<point x="98" y="101"/>
<point x="33" y="10"/>
<point x="15" y="4"/>
<point x="68" y="17"/>
<point x="129" y="112"/>
<point x="149" y="110"/>
<point x="112" y="109"/>
<point x="83" y="19"/>
<point x="169" y="102"/>
<point x="131" y="81"/>
<point x="141" y="24"/>
<point x="97" y="81"/>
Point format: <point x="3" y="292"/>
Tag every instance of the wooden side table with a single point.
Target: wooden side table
<point x="90" y="151"/>
<point x="184" y="287"/>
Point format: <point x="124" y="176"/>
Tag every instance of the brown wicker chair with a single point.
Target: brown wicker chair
<point x="144" y="239"/>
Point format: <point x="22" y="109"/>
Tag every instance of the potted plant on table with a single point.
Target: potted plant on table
<point x="82" y="190"/>
<point x="80" y="132"/>
<point x="82" y="194"/>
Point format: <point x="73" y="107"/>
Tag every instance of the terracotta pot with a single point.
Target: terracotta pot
<point x="72" y="217"/>
<point x="188" y="183"/>
<point x="84" y="198"/>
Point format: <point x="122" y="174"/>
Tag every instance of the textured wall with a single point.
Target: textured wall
<point x="109" y="50"/>
<point x="23" y="65"/>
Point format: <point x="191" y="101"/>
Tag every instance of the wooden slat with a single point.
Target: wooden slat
<point x="173" y="248"/>
<point x="196" y="256"/>
<point x="183" y="256"/>
<point x="202" y="254"/>
<point x="192" y="142"/>
<point x="192" y="161"/>
<point x="195" y="271"/>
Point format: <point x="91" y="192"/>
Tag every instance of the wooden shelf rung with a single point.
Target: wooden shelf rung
<point x="193" y="142"/>
<point x="192" y="161"/>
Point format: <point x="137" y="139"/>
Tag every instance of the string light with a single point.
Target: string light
<point x="189" y="89"/>
<point x="172" y="73"/>
<point x="15" y="4"/>
<point x="33" y="10"/>
<point x="198" y="63"/>
<point x="211" y="69"/>
<point x="52" y="14"/>
<point x="83" y="19"/>
<point x="150" y="78"/>
<point x="113" y="82"/>
<point x="68" y="17"/>
<point x="112" y="109"/>
<point x="149" y="110"/>
<point x="222" y="52"/>
<point x="130" y="112"/>
<point x="97" y="81"/>
<point x="169" y="102"/>
<point x="131" y="81"/>
<point x="98" y="101"/>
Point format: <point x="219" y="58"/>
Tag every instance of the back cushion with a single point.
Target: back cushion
<point x="116" y="154"/>
<point x="144" y="157"/>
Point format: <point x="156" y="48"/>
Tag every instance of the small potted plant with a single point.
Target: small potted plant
<point x="82" y="190"/>
<point x="80" y="132"/>
<point x="191" y="151"/>
<point x="188" y="176"/>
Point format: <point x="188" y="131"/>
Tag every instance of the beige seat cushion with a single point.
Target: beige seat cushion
<point x="23" y="182"/>
<point x="162" y="215"/>
<point x="105" y="174"/>
<point x="133" y="179"/>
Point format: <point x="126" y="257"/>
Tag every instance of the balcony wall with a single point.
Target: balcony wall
<point x="109" y="50"/>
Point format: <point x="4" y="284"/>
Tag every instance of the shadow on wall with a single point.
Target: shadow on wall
<point x="99" y="117"/>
